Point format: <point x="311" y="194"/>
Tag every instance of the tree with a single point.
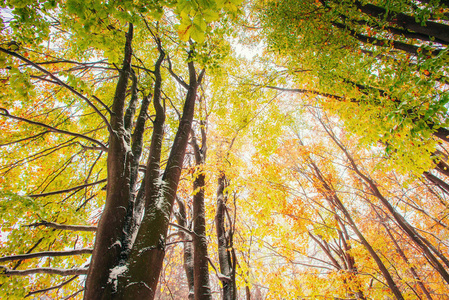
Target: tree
<point x="384" y="63"/>
<point x="130" y="237"/>
<point x="98" y="103"/>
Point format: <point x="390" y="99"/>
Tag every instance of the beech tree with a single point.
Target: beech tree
<point x="326" y="146"/>
<point x="130" y="236"/>
<point x="347" y="242"/>
<point x="383" y="62"/>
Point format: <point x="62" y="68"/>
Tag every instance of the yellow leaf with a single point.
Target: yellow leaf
<point x="184" y="31"/>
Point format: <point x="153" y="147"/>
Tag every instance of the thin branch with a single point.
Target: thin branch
<point x="66" y="190"/>
<point x="176" y="77"/>
<point x="73" y="295"/>
<point x="25" y="139"/>
<point x="220" y="276"/>
<point x="303" y="91"/>
<point x="5" y="113"/>
<point x="52" y="288"/>
<point x="63" y="226"/>
<point x="46" y="253"/>
<point x="63" y="272"/>
<point x="60" y="82"/>
<point x="182" y="228"/>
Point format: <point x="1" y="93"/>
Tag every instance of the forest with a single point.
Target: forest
<point x="224" y="149"/>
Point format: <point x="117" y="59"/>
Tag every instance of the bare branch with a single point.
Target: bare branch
<point x="5" y="113"/>
<point x="60" y="82"/>
<point x="176" y="77"/>
<point x="63" y="226"/>
<point x="66" y="190"/>
<point x="46" y="253"/>
<point x="73" y="295"/>
<point x="182" y="228"/>
<point x="220" y="276"/>
<point x="63" y="272"/>
<point x="52" y="288"/>
<point x="25" y="139"/>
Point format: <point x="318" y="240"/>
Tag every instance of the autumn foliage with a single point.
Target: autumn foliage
<point x="224" y="149"/>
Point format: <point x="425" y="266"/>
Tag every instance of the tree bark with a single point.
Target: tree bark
<point x="107" y="247"/>
<point x="223" y="243"/>
<point x="188" y="247"/>
<point x="140" y="275"/>
<point x="437" y="30"/>
<point x="201" y="263"/>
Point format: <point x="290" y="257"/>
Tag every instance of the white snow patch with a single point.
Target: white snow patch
<point x="115" y="273"/>
<point x="117" y="243"/>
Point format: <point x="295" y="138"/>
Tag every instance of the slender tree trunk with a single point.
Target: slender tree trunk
<point x="188" y="247"/>
<point x="390" y="282"/>
<point x="201" y="262"/>
<point x="411" y="268"/>
<point x="437" y="182"/>
<point x="332" y="197"/>
<point x="224" y="255"/>
<point x="427" y="248"/>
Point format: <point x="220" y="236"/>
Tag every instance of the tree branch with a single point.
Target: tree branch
<point x="63" y="226"/>
<point x="46" y="253"/>
<point x="5" y="113"/>
<point x="183" y="228"/>
<point x="304" y="91"/>
<point x="176" y="77"/>
<point x="52" y="288"/>
<point x="67" y="190"/>
<point x="60" y="82"/>
<point x="220" y="276"/>
<point x="63" y="272"/>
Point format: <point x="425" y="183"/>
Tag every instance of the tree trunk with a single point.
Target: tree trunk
<point x="188" y="247"/>
<point x="224" y="255"/>
<point x="107" y="249"/>
<point x="427" y="248"/>
<point x="138" y="279"/>
<point x="332" y="197"/>
<point x="201" y="262"/>
<point x="437" y="30"/>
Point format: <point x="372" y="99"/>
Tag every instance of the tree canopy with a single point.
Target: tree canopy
<point x="224" y="149"/>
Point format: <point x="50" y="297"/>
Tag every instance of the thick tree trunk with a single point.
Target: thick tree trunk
<point x="107" y="249"/>
<point x="409" y="48"/>
<point x="441" y="133"/>
<point x="138" y="279"/>
<point x="433" y="29"/>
